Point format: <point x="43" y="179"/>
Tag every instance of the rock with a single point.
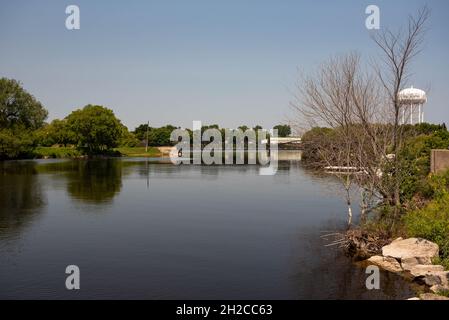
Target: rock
<point x="414" y="298"/>
<point x="420" y="270"/>
<point x="386" y="263"/>
<point x="434" y="278"/>
<point x="431" y="296"/>
<point x="439" y="288"/>
<point x="408" y="263"/>
<point x="411" y="248"/>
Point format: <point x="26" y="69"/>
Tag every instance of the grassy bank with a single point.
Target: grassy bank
<point x="426" y="216"/>
<point x="431" y="221"/>
<point x="71" y="152"/>
<point x="139" y="152"/>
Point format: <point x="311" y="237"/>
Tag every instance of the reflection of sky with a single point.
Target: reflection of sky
<point x="226" y="62"/>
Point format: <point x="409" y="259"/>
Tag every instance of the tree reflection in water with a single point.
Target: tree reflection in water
<point x="21" y="195"/>
<point x="95" y="181"/>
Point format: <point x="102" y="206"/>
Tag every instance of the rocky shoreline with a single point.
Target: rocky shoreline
<point x="413" y="259"/>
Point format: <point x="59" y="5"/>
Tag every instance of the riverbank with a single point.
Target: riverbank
<point x="414" y="259"/>
<point x="74" y="153"/>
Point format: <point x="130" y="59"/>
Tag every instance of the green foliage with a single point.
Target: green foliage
<point x="415" y="159"/>
<point x="15" y="143"/>
<point x="20" y="115"/>
<point x="57" y="152"/>
<point x="161" y="136"/>
<point x="157" y="137"/>
<point x="18" y="108"/>
<point x="284" y="130"/>
<point x="128" y="139"/>
<point x="138" y="151"/>
<point x="423" y="129"/>
<point x="432" y="221"/>
<point x="141" y="131"/>
<point x="95" y="128"/>
<point x="312" y="140"/>
<point x="57" y="132"/>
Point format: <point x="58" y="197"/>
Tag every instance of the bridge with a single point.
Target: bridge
<point x="292" y="143"/>
<point x="285" y="140"/>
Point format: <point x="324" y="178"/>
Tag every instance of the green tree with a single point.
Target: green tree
<point x="20" y="115"/>
<point x="16" y="143"/>
<point x="141" y="131"/>
<point x="95" y="128"/>
<point x="161" y="136"/>
<point x="57" y="132"/>
<point x="128" y="139"/>
<point x="284" y="130"/>
<point x="18" y="108"/>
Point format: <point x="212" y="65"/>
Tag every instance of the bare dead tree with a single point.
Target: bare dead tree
<point x="398" y="51"/>
<point x="362" y="109"/>
<point x="326" y="100"/>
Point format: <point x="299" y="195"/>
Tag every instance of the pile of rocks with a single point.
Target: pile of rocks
<point x="413" y="258"/>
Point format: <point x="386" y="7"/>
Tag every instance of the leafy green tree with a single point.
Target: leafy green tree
<point x="157" y="137"/>
<point x="284" y="130"/>
<point x="18" y="108"/>
<point x="95" y="128"/>
<point x="20" y="115"/>
<point x="57" y="132"/>
<point x="141" y="131"/>
<point x="161" y="136"/>
<point x="128" y="139"/>
<point x="16" y="143"/>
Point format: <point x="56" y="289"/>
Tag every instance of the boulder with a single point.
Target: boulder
<point x="386" y="263"/>
<point x="408" y="263"/>
<point x="434" y="278"/>
<point x="432" y="296"/>
<point x="411" y="248"/>
<point x="439" y="288"/>
<point x="420" y="270"/>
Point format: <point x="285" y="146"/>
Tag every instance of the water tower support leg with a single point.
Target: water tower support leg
<point x="419" y="114"/>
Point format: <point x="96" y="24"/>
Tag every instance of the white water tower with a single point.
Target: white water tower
<point x="412" y="103"/>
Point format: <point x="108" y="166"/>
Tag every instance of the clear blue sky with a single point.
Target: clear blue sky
<point x="226" y="62"/>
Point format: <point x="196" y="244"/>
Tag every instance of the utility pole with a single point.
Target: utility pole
<point x="146" y="144"/>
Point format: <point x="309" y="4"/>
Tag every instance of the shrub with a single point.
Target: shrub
<point x="432" y="223"/>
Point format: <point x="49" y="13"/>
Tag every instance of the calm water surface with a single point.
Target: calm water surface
<point x="145" y="230"/>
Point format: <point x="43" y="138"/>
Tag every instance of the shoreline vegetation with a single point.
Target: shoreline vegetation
<point x="73" y="153"/>
<point x="91" y="131"/>
<point x="356" y="119"/>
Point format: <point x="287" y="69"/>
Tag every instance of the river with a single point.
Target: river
<point x="140" y="229"/>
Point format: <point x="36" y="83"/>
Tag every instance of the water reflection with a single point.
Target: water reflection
<point x="92" y="181"/>
<point x="326" y="272"/>
<point x="197" y="232"/>
<point x="21" y="195"/>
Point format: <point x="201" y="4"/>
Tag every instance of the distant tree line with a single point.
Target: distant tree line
<point x="92" y="129"/>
